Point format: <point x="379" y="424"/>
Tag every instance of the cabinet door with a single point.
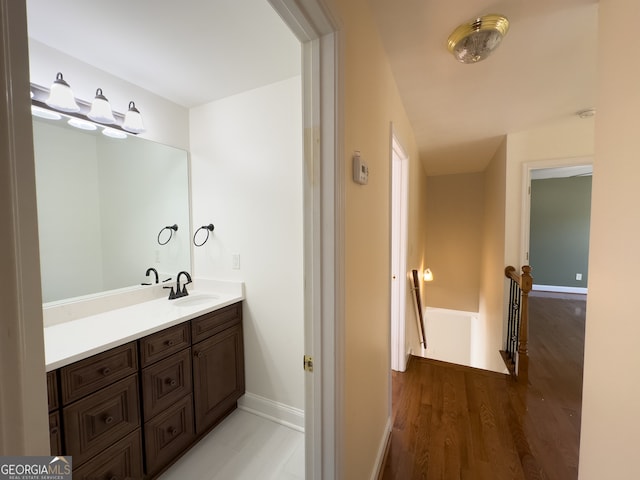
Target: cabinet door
<point x="218" y="376"/>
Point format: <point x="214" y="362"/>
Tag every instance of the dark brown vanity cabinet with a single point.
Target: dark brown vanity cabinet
<point x="133" y="410"/>
<point x="218" y="375"/>
<point x="55" y="429"/>
<point x="167" y="400"/>
<point x="101" y="414"/>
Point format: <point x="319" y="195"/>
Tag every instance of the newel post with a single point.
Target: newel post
<point x="526" y="284"/>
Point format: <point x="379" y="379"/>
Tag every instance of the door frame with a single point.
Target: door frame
<point x="324" y="206"/>
<point x="399" y="235"/>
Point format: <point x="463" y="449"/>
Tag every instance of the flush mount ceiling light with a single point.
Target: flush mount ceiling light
<point x="474" y="41"/>
<point x="61" y="97"/>
<point x="101" y="109"/>
<point x="133" y="120"/>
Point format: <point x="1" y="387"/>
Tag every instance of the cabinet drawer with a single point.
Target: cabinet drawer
<point x="101" y="419"/>
<point x="165" y="382"/>
<point x="118" y="462"/>
<point x="214" y="322"/>
<point x="162" y="344"/>
<point x="55" y="435"/>
<point x="52" y="390"/>
<point x="87" y="376"/>
<point x="168" y="434"/>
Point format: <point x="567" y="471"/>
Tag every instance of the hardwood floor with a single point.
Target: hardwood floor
<point x="456" y="422"/>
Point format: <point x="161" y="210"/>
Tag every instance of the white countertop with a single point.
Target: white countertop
<point x="78" y="339"/>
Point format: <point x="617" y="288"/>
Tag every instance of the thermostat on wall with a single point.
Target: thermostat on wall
<point x="360" y="170"/>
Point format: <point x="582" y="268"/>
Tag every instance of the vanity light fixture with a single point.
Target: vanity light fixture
<point x="113" y="133"/>
<point x="61" y="97"/>
<point x="101" y="109"/>
<point x="133" y="120"/>
<point x="474" y="41"/>
<point x="428" y="275"/>
<point x="82" y="124"/>
<point x="45" y="113"/>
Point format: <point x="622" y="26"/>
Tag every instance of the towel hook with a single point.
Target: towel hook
<point x="209" y="228"/>
<point x="171" y="228"/>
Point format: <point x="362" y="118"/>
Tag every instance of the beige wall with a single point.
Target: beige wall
<point x="416" y="246"/>
<point x="454" y="216"/>
<point x="488" y="333"/>
<point x="371" y="105"/>
<point x="610" y="413"/>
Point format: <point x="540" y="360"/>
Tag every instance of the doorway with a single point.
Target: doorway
<point x="545" y="169"/>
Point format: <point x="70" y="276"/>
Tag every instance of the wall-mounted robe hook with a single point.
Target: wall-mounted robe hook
<point x="171" y="229"/>
<point x="209" y="228"/>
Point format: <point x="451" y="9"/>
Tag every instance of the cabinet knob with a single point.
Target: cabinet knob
<point x="108" y="419"/>
<point x="199" y="354"/>
<point x="172" y="431"/>
<point x="106" y="371"/>
<point x="170" y="343"/>
<point x="171" y="381"/>
<point x="54" y="431"/>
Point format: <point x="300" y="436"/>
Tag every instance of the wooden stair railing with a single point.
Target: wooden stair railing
<point x="515" y="354"/>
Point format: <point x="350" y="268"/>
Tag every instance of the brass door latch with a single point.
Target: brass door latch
<point x="307" y="363"/>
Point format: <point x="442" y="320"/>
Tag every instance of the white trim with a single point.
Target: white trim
<point x="382" y="450"/>
<point x="324" y="209"/>
<point x="559" y="289"/>
<point x="275" y="411"/>
<point x="399" y="193"/>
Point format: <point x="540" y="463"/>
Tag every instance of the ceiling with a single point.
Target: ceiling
<point x="190" y="51"/>
<point x="194" y="51"/>
<point x="543" y="71"/>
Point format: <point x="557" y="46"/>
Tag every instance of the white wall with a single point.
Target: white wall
<point x="246" y="154"/>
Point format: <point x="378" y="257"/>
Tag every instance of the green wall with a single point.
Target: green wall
<point x="559" y="230"/>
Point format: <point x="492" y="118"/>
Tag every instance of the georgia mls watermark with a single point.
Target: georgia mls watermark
<point x="35" y="468"/>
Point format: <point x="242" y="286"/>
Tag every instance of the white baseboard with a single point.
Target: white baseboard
<point x="558" y="289"/>
<point x="382" y="449"/>
<point x="277" y="412"/>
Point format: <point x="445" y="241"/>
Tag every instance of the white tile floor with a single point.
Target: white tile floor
<point x="243" y="446"/>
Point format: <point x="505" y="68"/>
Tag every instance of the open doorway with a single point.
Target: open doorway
<point x="559" y="222"/>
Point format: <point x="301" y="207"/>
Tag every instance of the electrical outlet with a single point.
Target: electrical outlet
<point x="235" y="261"/>
<point x="578" y="276"/>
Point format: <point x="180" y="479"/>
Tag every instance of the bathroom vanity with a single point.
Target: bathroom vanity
<point x="133" y="409"/>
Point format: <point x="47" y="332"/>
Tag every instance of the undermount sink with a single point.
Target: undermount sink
<point x="195" y="300"/>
